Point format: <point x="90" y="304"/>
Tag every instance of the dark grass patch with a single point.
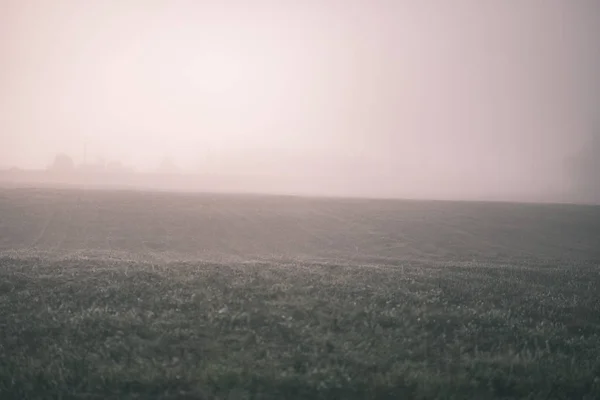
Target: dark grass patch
<point x="107" y="329"/>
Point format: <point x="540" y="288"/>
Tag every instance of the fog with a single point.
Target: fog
<point x="465" y="99"/>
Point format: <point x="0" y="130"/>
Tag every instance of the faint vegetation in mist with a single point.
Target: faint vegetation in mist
<point x="585" y="168"/>
<point x="62" y="164"/>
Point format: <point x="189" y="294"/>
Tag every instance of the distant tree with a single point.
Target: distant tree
<point x="62" y="163"/>
<point x="585" y="168"/>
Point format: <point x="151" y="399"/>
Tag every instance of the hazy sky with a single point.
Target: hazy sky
<point x="473" y="97"/>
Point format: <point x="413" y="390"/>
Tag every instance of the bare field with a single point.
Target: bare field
<point x="157" y="295"/>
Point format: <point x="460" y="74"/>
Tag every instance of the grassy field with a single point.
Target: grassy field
<point x="147" y="295"/>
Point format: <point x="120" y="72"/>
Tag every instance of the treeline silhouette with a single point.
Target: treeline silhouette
<point x="64" y="164"/>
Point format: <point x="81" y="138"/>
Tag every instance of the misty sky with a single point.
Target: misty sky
<point x="473" y="97"/>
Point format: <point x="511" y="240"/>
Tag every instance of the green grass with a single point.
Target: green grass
<point x="87" y="328"/>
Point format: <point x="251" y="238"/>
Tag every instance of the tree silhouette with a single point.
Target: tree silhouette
<point x="586" y="171"/>
<point x="62" y="163"/>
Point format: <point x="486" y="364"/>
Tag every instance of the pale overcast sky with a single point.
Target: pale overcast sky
<point x="468" y="97"/>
